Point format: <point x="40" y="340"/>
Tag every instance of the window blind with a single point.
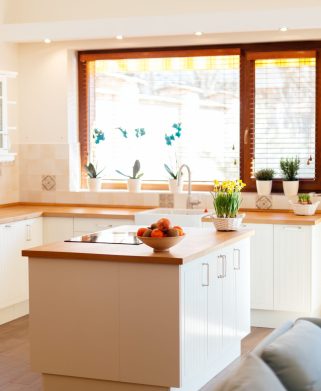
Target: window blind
<point x="283" y="113"/>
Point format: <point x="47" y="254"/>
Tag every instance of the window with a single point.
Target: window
<point x="281" y="113"/>
<point x="171" y="110"/>
<point x="225" y="111"/>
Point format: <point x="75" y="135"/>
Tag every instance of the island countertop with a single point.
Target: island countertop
<point x="197" y="243"/>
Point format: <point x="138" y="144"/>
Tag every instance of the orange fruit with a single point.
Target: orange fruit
<point x="163" y="224"/>
<point x="179" y="229"/>
<point x="141" y="231"/>
<point x="157" y="233"/>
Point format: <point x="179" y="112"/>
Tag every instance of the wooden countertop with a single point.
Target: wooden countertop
<point x="197" y="243"/>
<point x="21" y="212"/>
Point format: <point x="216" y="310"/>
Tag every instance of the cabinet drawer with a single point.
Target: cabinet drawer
<point x="88" y="225"/>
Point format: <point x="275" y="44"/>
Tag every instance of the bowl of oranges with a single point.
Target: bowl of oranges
<point x="161" y="236"/>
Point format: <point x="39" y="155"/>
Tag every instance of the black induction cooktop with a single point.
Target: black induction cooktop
<point x="109" y="237"/>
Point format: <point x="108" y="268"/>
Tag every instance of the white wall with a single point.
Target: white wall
<point x="9" y="172"/>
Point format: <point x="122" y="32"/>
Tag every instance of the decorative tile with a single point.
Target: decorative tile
<point x="48" y="182"/>
<point x="166" y="200"/>
<point x="264" y="202"/>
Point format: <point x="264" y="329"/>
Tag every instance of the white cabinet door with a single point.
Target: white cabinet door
<point x="215" y="307"/>
<point x="32" y="237"/>
<point x="241" y="266"/>
<point x="262" y="272"/>
<point x="13" y="270"/>
<point x="56" y="229"/>
<point x="292" y="268"/>
<point x="194" y="286"/>
<point x="228" y="299"/>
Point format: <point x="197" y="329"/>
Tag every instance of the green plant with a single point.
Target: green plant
<point x="136" y="171"/>
<point x="227" y="198"/>
<point x="290" y="168"/>
<point x="266" y="174"/>
<point x="91" y="170"/>
<point x="304" y="199"/>
<point x="173" y="174"/>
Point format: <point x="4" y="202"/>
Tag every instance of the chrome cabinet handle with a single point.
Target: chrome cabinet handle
<point x="205" y="274"/>
<point x="224" y="266"/>
<point x="237" y="256"/>
<point x="28" y="232"/>
<point x="292" y="228"/>
<point x="104" y="226"/>
<point x="7" y="226"/>
<point x="220" y="264"/>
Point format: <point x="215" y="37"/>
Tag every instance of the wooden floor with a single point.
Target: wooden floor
<point x="15" y="372"/>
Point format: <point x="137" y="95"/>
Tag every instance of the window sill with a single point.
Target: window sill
<point x="6" y="157"/>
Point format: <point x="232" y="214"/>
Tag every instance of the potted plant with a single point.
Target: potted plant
<point x="304" y="205"/>
<point x="93" y="180"/>
<point x="171" y="140"/>
<point x="226" y="201"/>
<point x="290" y="168"/>
<point x="173" y="184"/>
<point x="134" y="181"/>
<point x="264" y="179"/>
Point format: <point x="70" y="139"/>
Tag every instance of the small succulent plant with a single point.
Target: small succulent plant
<point x="136" y="171"/>
<point x="266" y="174"/>
<point x="92" y="171"/>
<point x="304" y="199"/>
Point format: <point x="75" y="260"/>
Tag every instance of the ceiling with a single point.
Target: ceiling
<point x="221" y="21"/>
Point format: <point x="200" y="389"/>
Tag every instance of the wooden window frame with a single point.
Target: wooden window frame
<point x="264" y="50"/>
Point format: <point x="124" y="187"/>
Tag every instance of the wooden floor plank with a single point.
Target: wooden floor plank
<point x="16" y="374"/>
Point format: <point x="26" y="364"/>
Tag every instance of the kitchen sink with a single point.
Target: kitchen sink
<point x="183" y="217"/>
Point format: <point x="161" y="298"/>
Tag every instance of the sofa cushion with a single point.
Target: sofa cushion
<point x="252" y="375"/>
<point x="295" y="357"/>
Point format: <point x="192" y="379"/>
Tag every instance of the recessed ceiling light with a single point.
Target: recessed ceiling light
<point x="198" y="33"/>
<point x="47" y="40"/>
<point x="283" y="29"/>
<point x="119" y="37"/>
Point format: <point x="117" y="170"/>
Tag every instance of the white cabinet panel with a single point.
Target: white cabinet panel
<point x="241" y="265"/>
<point x="195" y="281"/>
<point x="57" y="229"/>
<point x="292" y="268"/>
<point x="262" y="273"/>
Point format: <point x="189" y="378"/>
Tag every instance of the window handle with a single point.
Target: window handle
<point x="246" y="136"/>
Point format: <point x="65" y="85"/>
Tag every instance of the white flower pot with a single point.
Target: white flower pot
<point x="264" y="187"/>
<point x="134" y="185"/>
<point x="94" y="184"/>
<point x="290" y="188"/>
<point x="174" y="187"/>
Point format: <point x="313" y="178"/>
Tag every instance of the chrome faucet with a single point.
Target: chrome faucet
<point x="189" y="202"/>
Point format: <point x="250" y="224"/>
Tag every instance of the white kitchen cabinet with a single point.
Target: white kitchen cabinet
<point x="262" y="266"/>
<point x="57" y="229"/>
<point x="241" y="266"/>
<point x="15" y="237"/>
<point x="292" y="268"/>
<point x="84" y="225"/>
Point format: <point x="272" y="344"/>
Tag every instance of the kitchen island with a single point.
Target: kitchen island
<point x="122" y="318"/>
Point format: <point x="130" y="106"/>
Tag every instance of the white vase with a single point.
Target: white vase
<point x="264" y="187"/>
<point x="134" y="185"/>
<point x="290" y="188"/>
<point x="94" y="184"/>
<point x="174" y="187"/>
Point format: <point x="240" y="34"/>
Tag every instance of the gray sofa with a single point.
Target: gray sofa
<point x="289" y="359"/>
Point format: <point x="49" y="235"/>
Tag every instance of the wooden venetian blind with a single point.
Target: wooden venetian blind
<point x="283" y="110"/>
